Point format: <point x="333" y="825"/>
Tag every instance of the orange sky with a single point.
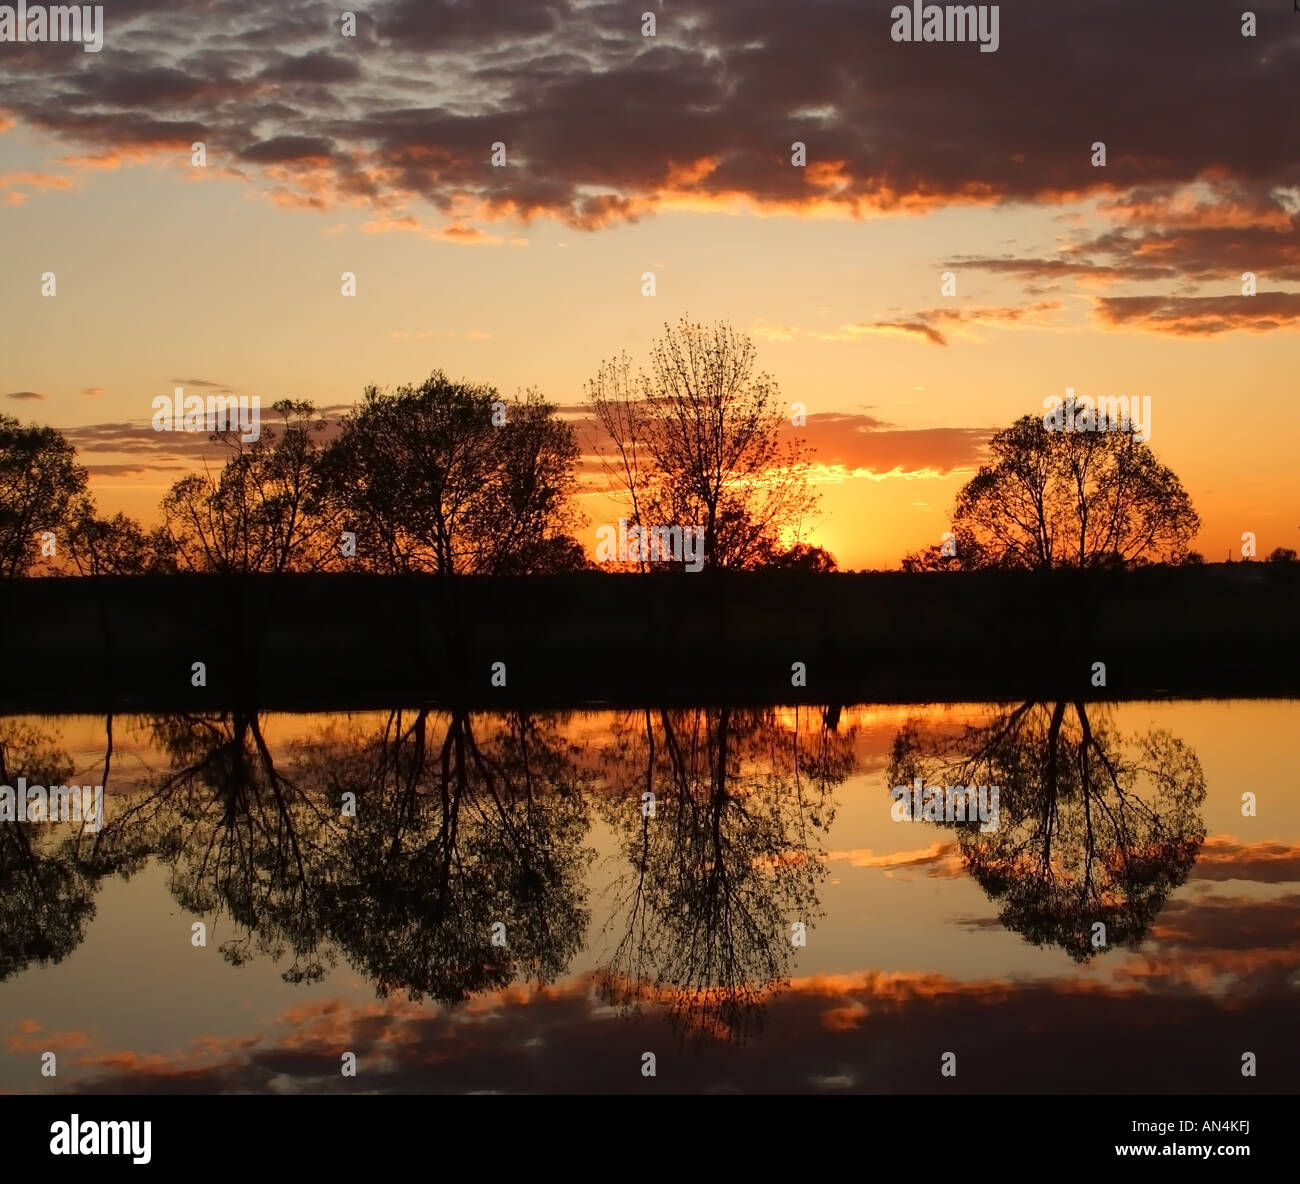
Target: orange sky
<point x="628" y="154"/>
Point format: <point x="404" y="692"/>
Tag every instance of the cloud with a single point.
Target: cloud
<point x="1205" y="232"/>
<point x="320" y="66"/>
<point x="29" y="180"/>
<point x="1224" y="858"/>
<point x="861" y="444"/>
<point x="34" y="1041"/>
<point x="1067" y="267"/>
<point x="92" y="392"/>
<point x="454" y="233"/>
<point x="869" y="1031"/>
<point x="925" y="324"/>
<point x="24" y="395"/>
<point x="1210" y="233"/>
<point x="941" y="859"/>
<point x="844" y="445"/>
<point x="136" y="468"/>
<point x="113" y="448"/>
<point x="605" y="126"/>
<point x="299" y="149"/>
<point x="916" y="328"/>
<point x="1202" y="316"/>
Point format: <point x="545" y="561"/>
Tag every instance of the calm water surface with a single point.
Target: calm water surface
<point x="490" y="902"/>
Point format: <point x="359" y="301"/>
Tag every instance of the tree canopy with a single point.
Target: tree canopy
<point x="449" y="478"/>
<point x="1049" y="498"/>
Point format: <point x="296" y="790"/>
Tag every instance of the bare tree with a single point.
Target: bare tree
<point x="699" y="441"/>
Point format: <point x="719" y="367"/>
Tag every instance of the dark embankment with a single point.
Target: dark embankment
<point x="357" y="641"/>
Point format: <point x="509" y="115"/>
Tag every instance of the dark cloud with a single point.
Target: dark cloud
<point x="604" y="125"/>
<point x="1212" y="231"/>
<point x="918" y="328"/>
<point x="126" y="469"/>
<point x="24" y="395"/>
<point x="288" y="148"/>
<point x="1032" y="268"/>
<point x="320" y="66"/>
<point x="1214" y="923"/>
<point x="145" y="448"/>
<point x="1224" y="858"/>
<point x="154" y="86"/>
<point x="473" y="24"/>
<point x="1202" y="316"/>
<point x="868" y="1032"/>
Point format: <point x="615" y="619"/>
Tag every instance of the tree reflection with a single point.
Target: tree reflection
<point x="46" y="892"/>
<point x="726" y="863"/>
<point x="400" y="850"/>
<point x="1093" y="827"/>
<point x="241" y="837"/>
<point x="463" y="869"/>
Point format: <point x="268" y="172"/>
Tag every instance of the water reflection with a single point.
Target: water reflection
<point x="448" y="854"/>
<point x="726" y="865"/>
<point x="1094" y="827"/>
<point x="46" y="889"/>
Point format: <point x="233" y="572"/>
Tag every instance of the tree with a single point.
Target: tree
<point x="446" y="477"/>
<point x="971" y="557"/>
<point x="117" y="546"/>
<point x="41" y="487"/>
<point x="265" y="510"/>
<point x="1281" y="555"/>
<point x="1051" y="498"/>
<point x="802" y="557"/>
<point x="699" y="441"/>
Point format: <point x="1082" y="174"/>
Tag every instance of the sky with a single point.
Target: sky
<point x="671" y="154"/>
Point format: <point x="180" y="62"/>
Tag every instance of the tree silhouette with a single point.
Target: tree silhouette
<point x="41" y="488"/>
<point x="1092" y="828"/>
<point x="1051" y="498"/>
<point x="265" y="511"/>
<point x="117" y="546"/>
<point x="459" y="823"/>
<point x="728" y="861"/>
<point x="699" y="442"/>
<point x="433" y="479"/>
<point x="241" y="838"/>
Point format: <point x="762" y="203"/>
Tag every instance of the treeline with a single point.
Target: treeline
<point x="449" y="478"/>
<point x="444" y="477"/>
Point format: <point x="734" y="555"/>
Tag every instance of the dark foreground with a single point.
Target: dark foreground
<point x="336" y="641"/>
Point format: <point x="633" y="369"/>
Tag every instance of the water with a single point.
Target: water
<point x="505" y="911"/>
